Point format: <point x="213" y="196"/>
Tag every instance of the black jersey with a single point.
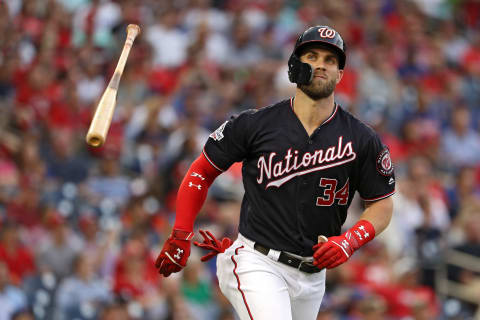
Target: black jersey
<point x="298" y="186"/>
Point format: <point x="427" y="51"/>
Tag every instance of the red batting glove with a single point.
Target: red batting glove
<point x="211" y="243"/>
<point x="339" y="249"/>
<point x="175" y="252"/>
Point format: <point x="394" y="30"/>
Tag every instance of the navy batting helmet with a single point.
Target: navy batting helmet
<point x="302" y="73"/>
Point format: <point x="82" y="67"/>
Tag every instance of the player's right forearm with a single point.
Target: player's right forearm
<point x="193" y="192"/>
<point x="378" y="213"/>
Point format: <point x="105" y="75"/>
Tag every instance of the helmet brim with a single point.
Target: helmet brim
<point x="324" y="44"/>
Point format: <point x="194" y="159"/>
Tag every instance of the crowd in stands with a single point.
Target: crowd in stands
<point x="80" y="227"/>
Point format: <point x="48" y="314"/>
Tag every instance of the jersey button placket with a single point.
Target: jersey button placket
<point x="307" y="148"/>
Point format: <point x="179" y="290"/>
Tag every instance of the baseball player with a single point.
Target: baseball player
<point x="303" y="159"/>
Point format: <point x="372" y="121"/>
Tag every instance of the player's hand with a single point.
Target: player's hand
<point x="332" y="253"/>
<point x="337" y="250"/>
<point x="175" y="252"/>
<point x="211" y="243"/>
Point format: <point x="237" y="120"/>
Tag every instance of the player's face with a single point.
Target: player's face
<point x="326" y="74"/>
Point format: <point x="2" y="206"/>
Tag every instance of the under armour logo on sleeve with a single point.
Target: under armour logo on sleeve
<point x="365" y="233"/>
<point x="358" y="234"/>
<point x="198" y="186"/>
<point x="178" y="254"/>
<point x="194" y="174"/>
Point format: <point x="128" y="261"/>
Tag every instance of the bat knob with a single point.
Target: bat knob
<point x="135" y="29"/>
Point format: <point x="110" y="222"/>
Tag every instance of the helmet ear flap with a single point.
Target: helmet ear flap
<point x="299" y="72"/>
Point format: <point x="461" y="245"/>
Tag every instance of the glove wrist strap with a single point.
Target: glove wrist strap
<point x="182" y="234"/>
<point x="360" y="234"/>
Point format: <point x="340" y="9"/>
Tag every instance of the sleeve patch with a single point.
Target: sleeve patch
<point x="384" y="163"/>
<point x="217" y="135"/>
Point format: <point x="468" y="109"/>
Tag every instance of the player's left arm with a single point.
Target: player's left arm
<point x="337" y="250"/>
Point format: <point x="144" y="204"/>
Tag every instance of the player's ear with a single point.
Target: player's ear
<point x="339" y="75"/>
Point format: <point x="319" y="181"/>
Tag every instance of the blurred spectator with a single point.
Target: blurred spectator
<point x="91" y="83"/>
<point x="421" y="122"/>
<point x="197" y="291"/>
<point x="57" y="252"/>
<point x="406" y="297"/>
<point x="136" y="217"/>
<point x="202" y="11"/>
<point x="150" y="123"/>
<point x="35" y="95"/>
<point x="226" y="314"/>
<point x="419" y="206"/>
<point x="81" y="289"/>
<point x="136" y="278"/>
<point x="99" y="245"/>
<point x="464" y="192"/>
<point x="32" y="168"/>
<point x="178" y="308"/>
<point x="370" y="307"/>
<point x="242" y="51"/>
<point x="14" y="255"/>
<point x="40" y="290"/>
<point x="9" y="181"/>
<point x="461" y="144"/>
<point x="168" y="41"/>
<point x="93" y="21"/>
<point x="23" y="315"/>
<point x="465" y="238"/>
<point x="62" y="161"/>
<point x="469" y="221"/>
<point x="377" y="83"/>
<point x="12" y="299"/>
<point x="114" y="311"/>
<point x="110" y="183"/>
<point x="133" y="88"/>
<point x="25" y="207"/>
<point x="208" y="40"/>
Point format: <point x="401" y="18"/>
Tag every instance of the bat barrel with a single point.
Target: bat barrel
<point x="95" y="140"/>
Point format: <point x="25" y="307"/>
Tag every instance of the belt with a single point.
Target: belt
<point x="289" y="260"/>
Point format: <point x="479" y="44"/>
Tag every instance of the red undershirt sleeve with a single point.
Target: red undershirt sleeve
<point x="193" y="192"/>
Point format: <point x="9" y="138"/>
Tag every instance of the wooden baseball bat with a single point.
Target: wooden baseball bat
<point x="97" y="133"/>
<point x="322" y="239"/>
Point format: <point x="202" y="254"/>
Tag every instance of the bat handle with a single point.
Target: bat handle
<point x="322" y="239"/>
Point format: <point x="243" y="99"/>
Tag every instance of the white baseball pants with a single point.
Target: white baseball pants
<point x="260" y="288"/>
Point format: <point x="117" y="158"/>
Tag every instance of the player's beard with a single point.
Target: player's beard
<point x="317" y="90"/>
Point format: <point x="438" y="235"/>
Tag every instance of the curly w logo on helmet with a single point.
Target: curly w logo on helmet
<point x="327" y="33"/>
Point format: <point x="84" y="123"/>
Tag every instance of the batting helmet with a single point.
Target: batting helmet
<point x="302" y="73"/>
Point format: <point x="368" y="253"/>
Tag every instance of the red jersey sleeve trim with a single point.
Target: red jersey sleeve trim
<point x="211" y="162"/>
<point x="381" y="197"/>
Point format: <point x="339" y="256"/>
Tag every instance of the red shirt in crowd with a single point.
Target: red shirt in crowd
<point x="20" y="262"/>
